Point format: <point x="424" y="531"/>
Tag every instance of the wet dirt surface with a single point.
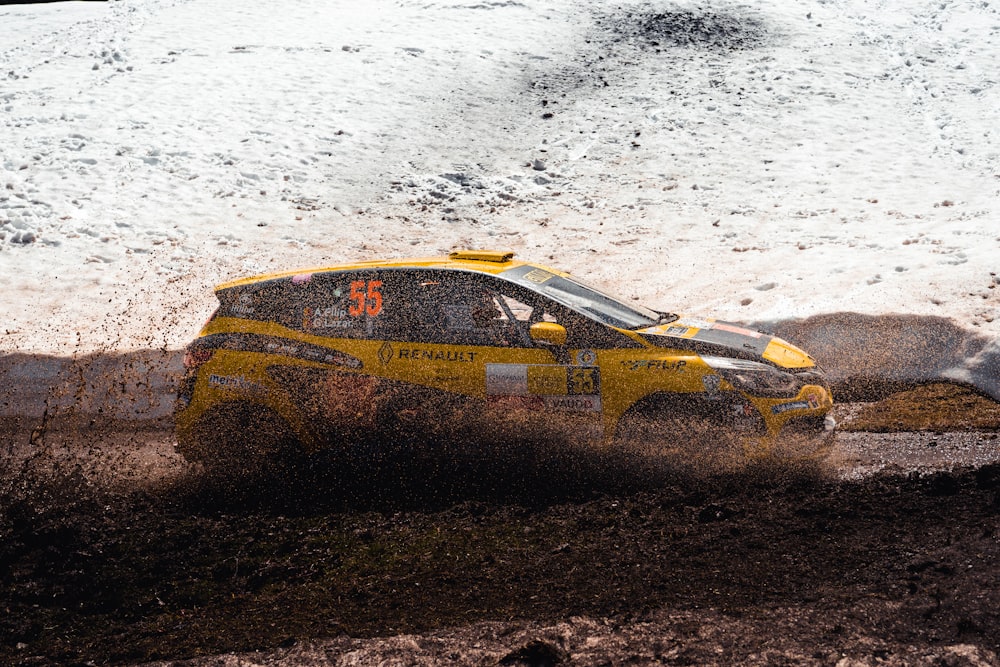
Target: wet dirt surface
<point x="115" y="551"/>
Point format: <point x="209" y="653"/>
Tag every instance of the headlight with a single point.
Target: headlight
<point x="755" y="378"/>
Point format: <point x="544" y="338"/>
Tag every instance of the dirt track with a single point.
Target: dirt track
<point x="118" y="552"/>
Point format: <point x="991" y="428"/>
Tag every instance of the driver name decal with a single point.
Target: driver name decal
<point x="330" y="317"/>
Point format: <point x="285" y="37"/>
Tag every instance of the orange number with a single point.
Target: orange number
<point x="363" y="301"/>
<point x="358" y="297"/>
<point x="374" y="297"/>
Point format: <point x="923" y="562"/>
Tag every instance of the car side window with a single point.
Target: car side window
<point x="407" y="313"/>
<point x="427" y="306"/>
<point x="444" y="307"/>
<point x="280" y="300"/>
<point x="581" y="331"/>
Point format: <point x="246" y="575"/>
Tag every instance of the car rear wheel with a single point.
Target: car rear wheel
<point x="244" y="440"/>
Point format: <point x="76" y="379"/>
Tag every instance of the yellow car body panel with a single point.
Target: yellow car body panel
<point x="310" y="347"/>
<point x="492" y="262"/>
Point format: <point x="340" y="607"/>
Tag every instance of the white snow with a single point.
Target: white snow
<point x="846" y="159"/>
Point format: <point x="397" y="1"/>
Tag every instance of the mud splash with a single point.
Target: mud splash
<point x="521" y="538"/>
<point x="121" y="552"/>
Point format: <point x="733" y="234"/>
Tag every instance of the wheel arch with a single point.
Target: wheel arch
<point x="726" y="409"/>
<point x="238" y="429"/>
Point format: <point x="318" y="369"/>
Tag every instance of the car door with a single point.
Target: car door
<point x="457" y="338"/>
<point x="560" y="383"/>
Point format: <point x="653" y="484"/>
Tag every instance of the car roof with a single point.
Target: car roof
<point x="481" y="261"/>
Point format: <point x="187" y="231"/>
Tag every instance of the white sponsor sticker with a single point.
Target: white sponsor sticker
<point x="573" y="403"/>
<point x="236" y="383"/>
<point x="694" y="323"/>
<point x="507" y="379"/>
<point x="245" y="306"/>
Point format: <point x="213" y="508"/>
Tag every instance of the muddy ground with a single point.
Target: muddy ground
<point x="887" y="552"/>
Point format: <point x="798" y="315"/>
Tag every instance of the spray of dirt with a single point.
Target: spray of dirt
<point x="119" y="550"/>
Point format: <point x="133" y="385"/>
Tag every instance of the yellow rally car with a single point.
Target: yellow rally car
<point x="309" y="359"/>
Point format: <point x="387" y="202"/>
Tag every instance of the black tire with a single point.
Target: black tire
<point x="693" y="427"/>
<point x="245" y="440"/>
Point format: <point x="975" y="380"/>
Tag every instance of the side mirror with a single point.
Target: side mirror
<point x="548" y="333"/>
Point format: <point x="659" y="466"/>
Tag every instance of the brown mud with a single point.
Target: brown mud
<point x="115" y="551"/>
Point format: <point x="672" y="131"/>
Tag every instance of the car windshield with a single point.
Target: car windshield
<point x="587" y="300"/>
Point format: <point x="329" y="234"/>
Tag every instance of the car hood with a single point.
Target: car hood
<point x="710" y="336"/>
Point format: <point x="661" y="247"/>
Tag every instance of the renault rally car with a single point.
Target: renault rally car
<point x="306" y="360"/>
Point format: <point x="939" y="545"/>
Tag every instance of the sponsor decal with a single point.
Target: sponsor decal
<point x="680" y="332"/>
<point x="676" y="365"/>
<point x="737" y="330"/>
<point x="325" y="356"/>
<point x="537" y="276"/>
<point x="795" y="405"/>
<point x="236" y="383"/>
<point x="586" y="358"/>
<point x="284" y="349"/>
<point x="342" y="359"/>
<point x="694" y="323"/>
<point x="547" y="380"/>
<point x="672" y="330"/>
<point x="573" y="403"/>
<point x="744" y="414"/>
<point x="302" y="279"/>
<point x="420" y="354"/>
<point x="714" y="333"/>
<point x="385" y="353"/>
<point x="280" y="346"/>
<point x="245" y="305"/>
<point x="507" y="379"/>
<point x="541" y="380"/>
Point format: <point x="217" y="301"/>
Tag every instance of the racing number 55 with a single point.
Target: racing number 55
<point x="582" y="381"/>
<point x="365" y="297"/>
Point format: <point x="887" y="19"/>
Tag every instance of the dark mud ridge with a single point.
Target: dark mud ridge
<point x="770" y="564"/>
